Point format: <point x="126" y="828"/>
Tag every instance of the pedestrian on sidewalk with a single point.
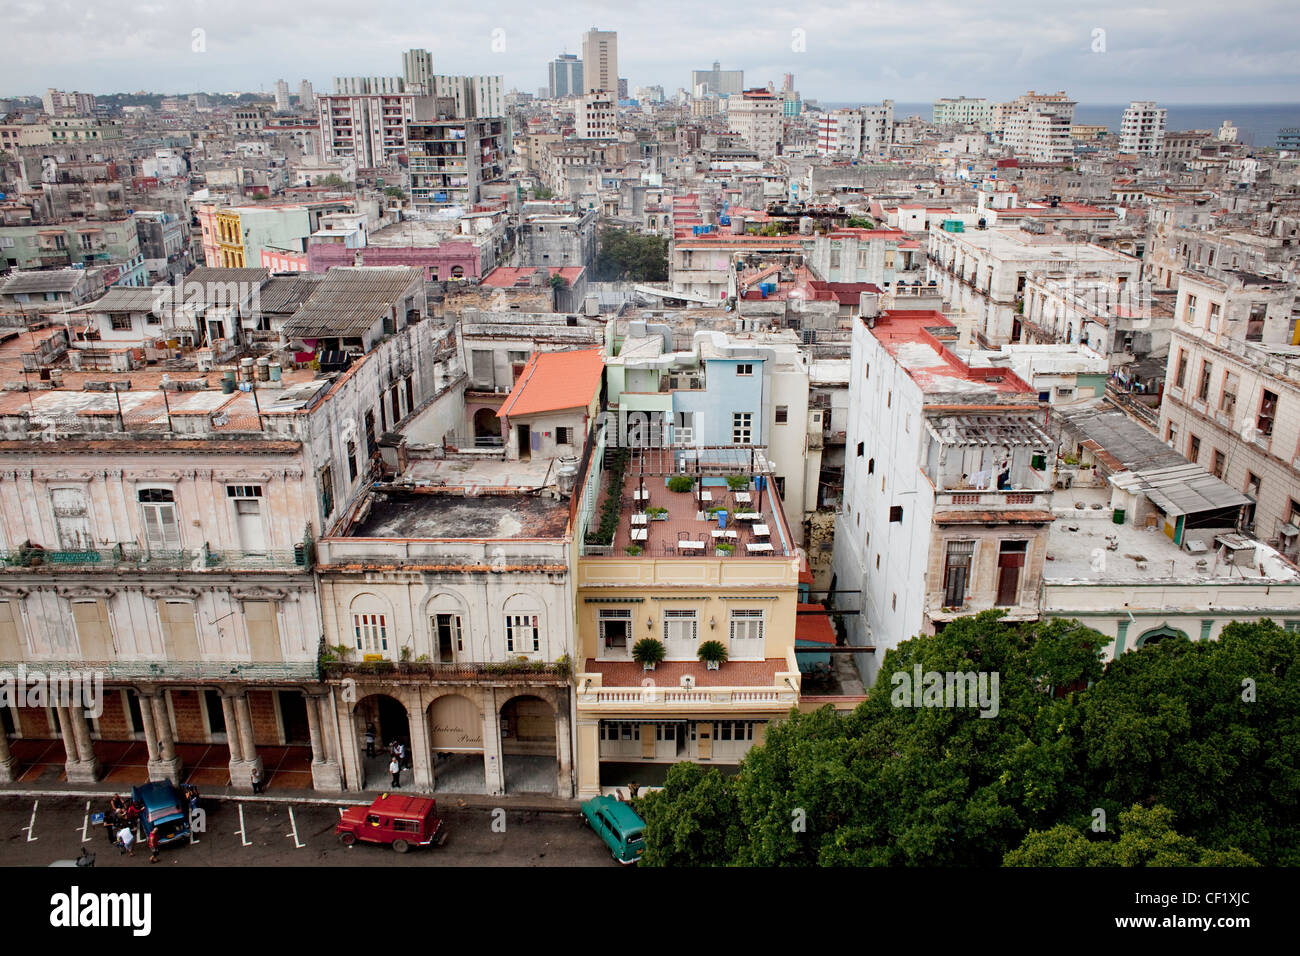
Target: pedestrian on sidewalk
<point x="370" y="739"/>
<point x="125" y="841"/>
<point x="395" y="769"/>
<point x="257" y="779"/>
<point x="153" y="846"/>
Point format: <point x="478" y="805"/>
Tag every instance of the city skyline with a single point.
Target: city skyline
<point x="1107" y="53"/>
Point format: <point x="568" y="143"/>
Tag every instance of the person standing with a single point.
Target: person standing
<point x="401" y="754"/>
<point x="126" y="841"/>
<point x="257" y="779"/>
<point x="153" y="846"/>
<point x="370" y="739"/>
<point x="395" y="768"/>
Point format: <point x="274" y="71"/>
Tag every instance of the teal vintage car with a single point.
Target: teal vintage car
<point x="618" y="825"/>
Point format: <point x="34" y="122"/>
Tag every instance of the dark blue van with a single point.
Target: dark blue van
<point x="165" y="810"/>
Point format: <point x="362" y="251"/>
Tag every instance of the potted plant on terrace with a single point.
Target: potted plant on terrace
<point x="648" y="652"/>
<point x="681" y="483"/>
<point x="724" y="549"/>
<point x="738" y="482"/>
<point x="656" y="513"/>
<point x="713" y="653"/>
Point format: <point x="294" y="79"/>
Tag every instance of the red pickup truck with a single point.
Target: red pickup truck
<point x="399" y="821"/>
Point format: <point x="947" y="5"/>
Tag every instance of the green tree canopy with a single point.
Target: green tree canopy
<point x="1170" y="725"/>
<point x="1146" y="838"/>
<point x="625" y="255"/>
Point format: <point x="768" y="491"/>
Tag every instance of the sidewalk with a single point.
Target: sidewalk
<point x="523" y="801"/>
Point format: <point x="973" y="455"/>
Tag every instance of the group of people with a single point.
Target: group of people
<point x="399" y="754"/>
<point x="400" y="759"/>
<point x="122" y="821"/>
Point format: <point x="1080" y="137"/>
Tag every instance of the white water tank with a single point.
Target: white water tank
<point x="566" y="475"/>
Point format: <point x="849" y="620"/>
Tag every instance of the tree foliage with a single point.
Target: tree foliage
<point x="629" y="256"/>
<point x="1166" y="728"/>
<point x="1146" y="838"/>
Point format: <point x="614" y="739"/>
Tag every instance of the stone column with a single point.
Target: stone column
<point x="244" y="717"/>
<point x="150" y="732"/>
<point x="563" y="746"/>
<point x="8" y="762"/>
<point x="72" y="757"/>
<point x="494" y="770"/>
<point x="421" y="758"/>
<point x="325" y="773"/>
<point x="163" y="762"/>
<point x="87" y="770"/>
<point x="236" y="761"/>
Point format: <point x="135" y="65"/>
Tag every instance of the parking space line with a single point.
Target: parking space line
<point x="294" y="834"/>
<point x="31" y="827"/>
<point x="85" y="825"/>
<point x="240" y="832"/>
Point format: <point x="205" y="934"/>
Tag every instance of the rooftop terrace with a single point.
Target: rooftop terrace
<point x="430" y="514"/>
<point x="665" y="523"/>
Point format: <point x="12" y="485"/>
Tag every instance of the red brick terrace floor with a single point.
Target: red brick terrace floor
<point x="683" y="511"/>
<point x="126" y="763"/>
<point x="670" y="673"/>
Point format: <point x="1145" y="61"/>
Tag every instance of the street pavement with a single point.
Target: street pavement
<point x="36" y="831"/>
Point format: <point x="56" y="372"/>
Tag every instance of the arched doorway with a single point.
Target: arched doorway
<point x="456" y="745"/>
<point x="1157" y="634"/>
<point x="486" y="424"/>
<point x="528" y="745"/>
<point x="388" y="715"/>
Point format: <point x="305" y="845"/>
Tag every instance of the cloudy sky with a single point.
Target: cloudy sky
<point x="1102" y="51"/>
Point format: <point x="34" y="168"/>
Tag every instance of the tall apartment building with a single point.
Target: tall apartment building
<point x="1037" y="126"/>
<point x="717" y="81"/>
<point x="366" y="128"/>
<point x="306" y="96"/>
<point x="1142" y="129"/>
<point x="864" y="131"/>
<point x="947" y="486"/>
<point x="984" y="273"/>
<point x="368" y="85"/>
<point x="596" y="117"/>
<point x="962" y="111"/>
<point x="281" y="96"/>
<point x="451" y="159"/>
<point x="475" y="97"/>
<point x="600" y="61"/>
<point x="1232" y="393"/>
<point x="755" y="115"/>
<point x="417" y="71"/>
<point x="564" y="76"/>
<point x="59" y="103"/>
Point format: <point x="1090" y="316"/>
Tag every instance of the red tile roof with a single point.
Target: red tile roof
<point x="552" y="381"/>
<point x="811" y="626"/>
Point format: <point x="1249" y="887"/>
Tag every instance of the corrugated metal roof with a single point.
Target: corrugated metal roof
<point x="287" y="293"/>
<point x="37" y="280"/>
<point x="1181" y="489"/>
<point x="123" y="298"/>
<point x="351" y="299"/>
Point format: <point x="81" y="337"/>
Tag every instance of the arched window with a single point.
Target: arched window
<point x="371" y="624"/>
<point x="1156" y="634"/>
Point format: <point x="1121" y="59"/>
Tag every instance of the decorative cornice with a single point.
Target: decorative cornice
<point x="170" y="591"/>
<point x="84" y="591"/>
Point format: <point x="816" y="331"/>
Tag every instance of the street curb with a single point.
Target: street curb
<point x="461" y="800"/>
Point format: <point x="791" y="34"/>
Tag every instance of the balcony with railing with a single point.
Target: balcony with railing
<point x="207" y="671"/>
<point x="448" y="672"/>
<point x="125" y="556"/>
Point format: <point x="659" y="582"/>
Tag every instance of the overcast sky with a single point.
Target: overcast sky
<point x="1185" y="51"/>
